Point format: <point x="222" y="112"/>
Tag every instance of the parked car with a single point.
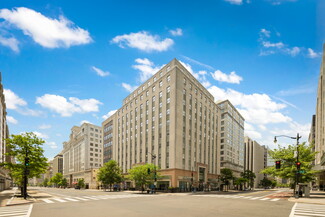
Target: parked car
<point x="77" y="187"/>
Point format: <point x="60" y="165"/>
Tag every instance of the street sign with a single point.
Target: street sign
<point x="295" y="153"/>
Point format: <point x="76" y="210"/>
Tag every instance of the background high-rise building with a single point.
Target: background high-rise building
<point x="173" y="117"/>
<point x="320" y="126"/>
<point x="231" y="138"/>
<point x="58" y="164"/>
<point x="255" y="159"/>
<point x="82" y="154"/>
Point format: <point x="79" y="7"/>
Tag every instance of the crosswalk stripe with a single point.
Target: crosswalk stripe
<point x="276" y="199"/>
<point x="265" y="198"/>
<point x="80" y="198"/>
<point x="67" y="198"/>
<point x="47" y="201"/>
<point x="60" y="200"/>
<point x="12" y="214"/>
<point x="93" y="198"/>
<point x="255" y="198"/>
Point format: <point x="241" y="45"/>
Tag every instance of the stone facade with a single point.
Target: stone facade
<point x="255" y="159"/>
<point x="173" y="117"/>
<point x="5" y="180"/>
<point x="231" y="138"/>
<point x="320" y="126"/>
<point x="82" y="153"/>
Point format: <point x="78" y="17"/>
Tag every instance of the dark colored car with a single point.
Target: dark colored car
<point x="77" y="187"/>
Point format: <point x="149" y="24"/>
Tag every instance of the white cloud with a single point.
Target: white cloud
<point x="12" y="120"/>
<point x="255" y="108"/>
<point x="268" y="48"/>
<point x="11" y="42"/>
<point x="143" y="41"/>
<point x="13" y="101"/>
<point x="146" y="68"/>
<point x="268" y="44"/>
<point x="292" y="130"/>
<point x="266" y="33"/>
<point x="100" y="72"/>
<point x="44" y="126"/>
<point x="293" y="51"/>
<point x="198" y="63"/>
<point x="52" y="145"/>
<point x="85" y="121"/>
<point x="48" y="32"/>
<point x="200" y="76"/>
<point x="41" y="135"/>
<point x="128" y="87"/>
<point x="176" y="32"/>
<point x="312" y="53"/>
<point x="66" y="108"/>
<point x="110" y="113"/>
<point x="235" y="2"/>
<point x="232" y="78"/>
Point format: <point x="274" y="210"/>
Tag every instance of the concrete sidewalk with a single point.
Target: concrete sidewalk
<point x="6" y="196"/>
<point x="316" y="197"/>
<point x="33" y="196"/>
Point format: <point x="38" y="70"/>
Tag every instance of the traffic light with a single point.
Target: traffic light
<point x="278" y="164"/>
<point x="148" y="170"/>
<point x="26" y="161"/>
<point x="298" y="165"/>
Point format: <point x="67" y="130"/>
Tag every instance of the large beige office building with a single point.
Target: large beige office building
<point x="173" y="117"/>
<point x="255" y="159"/>
<point x="83" y="154"/>
<point x="5" y="180"/>
<point x="320" y="126"/>
<point x="231" y="138"/>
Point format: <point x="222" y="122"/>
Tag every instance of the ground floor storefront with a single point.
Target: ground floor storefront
<point x="89" y="176"/>
<point x="179" y="180"/>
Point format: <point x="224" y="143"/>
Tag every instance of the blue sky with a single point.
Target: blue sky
<point x="64" y="62"/>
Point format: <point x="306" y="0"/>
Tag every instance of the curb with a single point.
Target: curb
<point x="294" y="200"/>
<point x="9" y="203"/>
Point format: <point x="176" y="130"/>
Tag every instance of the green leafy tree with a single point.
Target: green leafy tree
<point x="63" y="182"/>
<point x="143" y="175"/>
<point x="110" y="174"/>
<point x="288" y="163"/>
<point x="240" y="182"/>
<point x="45" y="182"/>
<point x="57" y="179"/>
<point x="249" y="176"/>
<point x="21" y="147"/>
<point x="81" y="183"/>
<point x="225" y="176"/>
<point x="265" y="182"/>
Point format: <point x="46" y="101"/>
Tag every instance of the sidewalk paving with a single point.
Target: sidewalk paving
<point x="15" y="200"/>
<point x="316" y="197"/>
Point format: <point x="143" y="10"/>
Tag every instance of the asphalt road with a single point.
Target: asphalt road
<point x="111" y="204"/>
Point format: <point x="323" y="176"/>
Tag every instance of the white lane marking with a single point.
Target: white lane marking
<point x="29" y="210"/>
<point x="47" y="201"/>
<point x="265" y="198"/>
<point x="293" y="210"/>
<point x="60" y="200"/>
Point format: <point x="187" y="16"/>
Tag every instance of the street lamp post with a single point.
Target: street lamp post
<point x="153" y="157"/>
<point x="297" y="161"/>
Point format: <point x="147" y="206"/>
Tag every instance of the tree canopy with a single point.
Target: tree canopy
<point x="143" y="174"/>
<point x="249" y="176"/>
<point x="288" y="168"/>
<point x="22" y="146"/>
<point x="110" y="174"/>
